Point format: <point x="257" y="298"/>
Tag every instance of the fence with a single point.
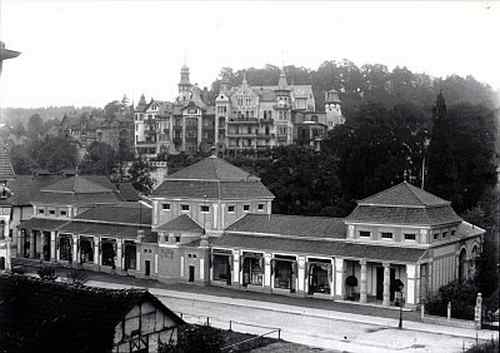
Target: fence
<point x="237" y="343"/>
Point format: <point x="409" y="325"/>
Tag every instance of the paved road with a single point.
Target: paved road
<point x="335" y="331"/>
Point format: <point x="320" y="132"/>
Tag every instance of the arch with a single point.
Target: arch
<point x="462" y="265"/>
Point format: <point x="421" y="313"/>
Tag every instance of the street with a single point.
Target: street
<point x="328" y="333"/>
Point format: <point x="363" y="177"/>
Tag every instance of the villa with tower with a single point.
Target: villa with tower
<point x="212" y="224"/>
<point x="242" y="118"/>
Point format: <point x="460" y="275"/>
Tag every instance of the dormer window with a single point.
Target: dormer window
<point x="453" y="232"/>
<point x="260" y="206"/>
<point x="246" y="208"/>
<point x="41" y="211"/>
<point x="205" y="209"/>
<point x="63" y="213"/>
<point x="364" y="234"/>
<point x="166" y="207"/>
<point x="386" y="235"/>
<point x="230" y="209"/>
<point x="436" y="236"/>
<point x="445" y="234"/>
<point x="185" y="208"/>
<point x="410" y="236"/>
<point x="52" y="212"/>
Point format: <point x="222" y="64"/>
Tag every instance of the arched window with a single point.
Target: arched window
<point x="473" y="262"/>
<point x="462" y="266"/>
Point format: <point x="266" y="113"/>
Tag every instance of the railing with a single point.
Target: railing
<point x="260" y="332"/>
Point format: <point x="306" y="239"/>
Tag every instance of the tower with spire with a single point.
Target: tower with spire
<point x="333" y="109"/>
<point x="184" y="86"/>
<point x="283" y="108"/>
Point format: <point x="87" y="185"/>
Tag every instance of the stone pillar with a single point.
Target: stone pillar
<point x="200" y="130"/>
<point x="222" y="207"/>
<point x="216" y="126"/>
<point x="138" y="255"/>
<point x="202" y="269"/>
<point x="76" y="260"/>
<point x="96" y="251"/>
<point x="362" y="288"/>
<point x="42" y="243"/>
<point x="332" y="280"/>
<point x="20" y="242"/>
<point x="214" y="219"/>
<point x="387" y="284"/>
<point x="478" y="310"/>
<point x="339" y="278"/>
<point x="236" y="267"/>
<point x="182" y="267"/>
<point x="267" y="270"/>
<point x="119" y="259"/>
<point x="32" y="244"/>
<point x="156" y="264"/>
<point x="52" y="246"/>
<point x="301" y="274"/>
<point x="411" y="279"/>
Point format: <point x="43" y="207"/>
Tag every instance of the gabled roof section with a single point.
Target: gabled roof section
<point x="183" y="223"/>
<point x="77" y="185"/>
<point x="288" y="225"/>
<point x="212" y="169"/>
<point x="126" y="212"/>
<point x="6" y="169"/>
<point x="403" y="195"/>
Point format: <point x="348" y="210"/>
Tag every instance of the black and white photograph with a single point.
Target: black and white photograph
<point x="220" y="176"/>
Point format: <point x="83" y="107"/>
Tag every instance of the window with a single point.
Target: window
<point x="52" y="212"/>
<point x="41" y="211"/>
<point x="166" y="207"/>
<point x="246" y="208"/>
<point x="410" y="236"/>
<point x="177" y="238"/>
<point x="230" y="209"/>
<point x="184" y="207"/>
<point x="205" y="209"/>
<point x="364" y="234"/>
<point x="445" y="234"/>
<point x="260" y="206"/>
<point x="436" y="236"/>
<point x="63" y="213"/>
<point x="386" y="235"/>
<point x="453" y="232"/>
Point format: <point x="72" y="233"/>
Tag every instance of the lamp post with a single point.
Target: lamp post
<point x="400" y="302"/>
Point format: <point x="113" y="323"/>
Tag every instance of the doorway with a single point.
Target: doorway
<point x="380" y="283"/>
<point x="147" y="267"/>
<point x="191" y="273"/>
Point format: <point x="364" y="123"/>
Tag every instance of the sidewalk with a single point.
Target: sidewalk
<point x="310" y="312"/>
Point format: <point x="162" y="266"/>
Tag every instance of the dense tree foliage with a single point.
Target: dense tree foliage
<point x="140" y="175"/>
<point x="54" y="153"/>
<point x="100" y="159"/>
<point x="196" y="339"/>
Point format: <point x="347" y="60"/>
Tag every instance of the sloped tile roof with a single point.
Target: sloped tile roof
<point x="128" y="192"/>
<point x="131" y="213"/>
<point x="212" y="168"/>
<point x="43" y="223"/>
<point x="213" y="190"/>
<point x="183" y="223"/>
<point x="403" y="215"/>
<point x="79" y="185"/>
<point x="328" y="227"/>
<point x="27" y="187"/>
<point x="38" y="312"/>
<point x="54" y="198"/>
<point x="6" y="170"/>
<point x="102" y="229"/>
<point x="319" y="247"/>
<point x="404" y="194"/>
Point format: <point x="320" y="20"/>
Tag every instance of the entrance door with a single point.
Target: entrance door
<point x="380" y="283"/>
<point x="191" y="273"/>
<point x="147" y="267"/>
<point x="392" y="282"/>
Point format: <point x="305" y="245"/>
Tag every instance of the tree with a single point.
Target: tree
<point x="19" y="129"/>
<point x="196" y="339"/>
<point x="21" y="160"/>
<point x="140" y="175"/>
<point x="99" y="159"/>
<point x="54" y="153"/>
<point x="35" y="126"/>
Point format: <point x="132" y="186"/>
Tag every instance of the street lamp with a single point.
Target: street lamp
<point x="400" y="301"/>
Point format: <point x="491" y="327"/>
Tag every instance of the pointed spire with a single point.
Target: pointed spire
<point x="282" y="83"/>
<point x="244" y="78"/>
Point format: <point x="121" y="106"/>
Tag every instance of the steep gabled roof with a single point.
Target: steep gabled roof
<point x="183" y="223"/>
<point x="77" y="185"/>
<point x="406" y="195"/>
<point x="57" y="317"/>
<point x="212" y="169"/>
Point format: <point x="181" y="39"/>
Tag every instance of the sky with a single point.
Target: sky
<point x="92" y="52"/>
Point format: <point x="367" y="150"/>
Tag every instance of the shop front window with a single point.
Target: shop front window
<point x="222" y="267"/>
<point x="86" y="250"/>
<point x="284" y="268"/>
<point x="320" y="273"/>
<point x="253" y="269"/>
<point x="66" y="253"/>
<point x="130" y="256"/>
<point x="108" y="254"/>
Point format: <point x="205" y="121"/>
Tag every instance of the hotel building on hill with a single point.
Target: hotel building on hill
<point x="242" y="118"/>
<point x="212" y="224"/>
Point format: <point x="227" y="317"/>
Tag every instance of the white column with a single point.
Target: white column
<point x="222" y="225"/>
<point x="202" y="269"/>
<point x="301" y="273"/>
<point x="236" y="267"/>
<point x="332" y="280"/>
<point x="339" y="278"/>
<point x="200" y="130"/>
<point x="411" y="276"/>
<point x="214" y="222"/>
<point x="52" y="246"/>
<point x="156" y="263"/>
<point x="387" y="282"/>
<point x="182" y="267"/>
<point x="216" y="125"/>
<point x="75" y="248"/>
<point x="362" y="289"/>
<point x="118" y="263"/>
<point x="267" y="270"/>
<point x="156" y="211"/>
<point x="96" y="251"/>
<point x="138" y="257"/>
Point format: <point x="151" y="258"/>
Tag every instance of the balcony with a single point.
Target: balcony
<point x="267" y="121"/>
<point x="243" y="121"/>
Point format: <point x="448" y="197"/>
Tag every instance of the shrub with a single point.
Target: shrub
<point x="462" y="297"/>
<point x="78" y="277"/>
<point x="47" y="273"/>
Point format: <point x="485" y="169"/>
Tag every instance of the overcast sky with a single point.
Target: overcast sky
<point x="91" y="52"/>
